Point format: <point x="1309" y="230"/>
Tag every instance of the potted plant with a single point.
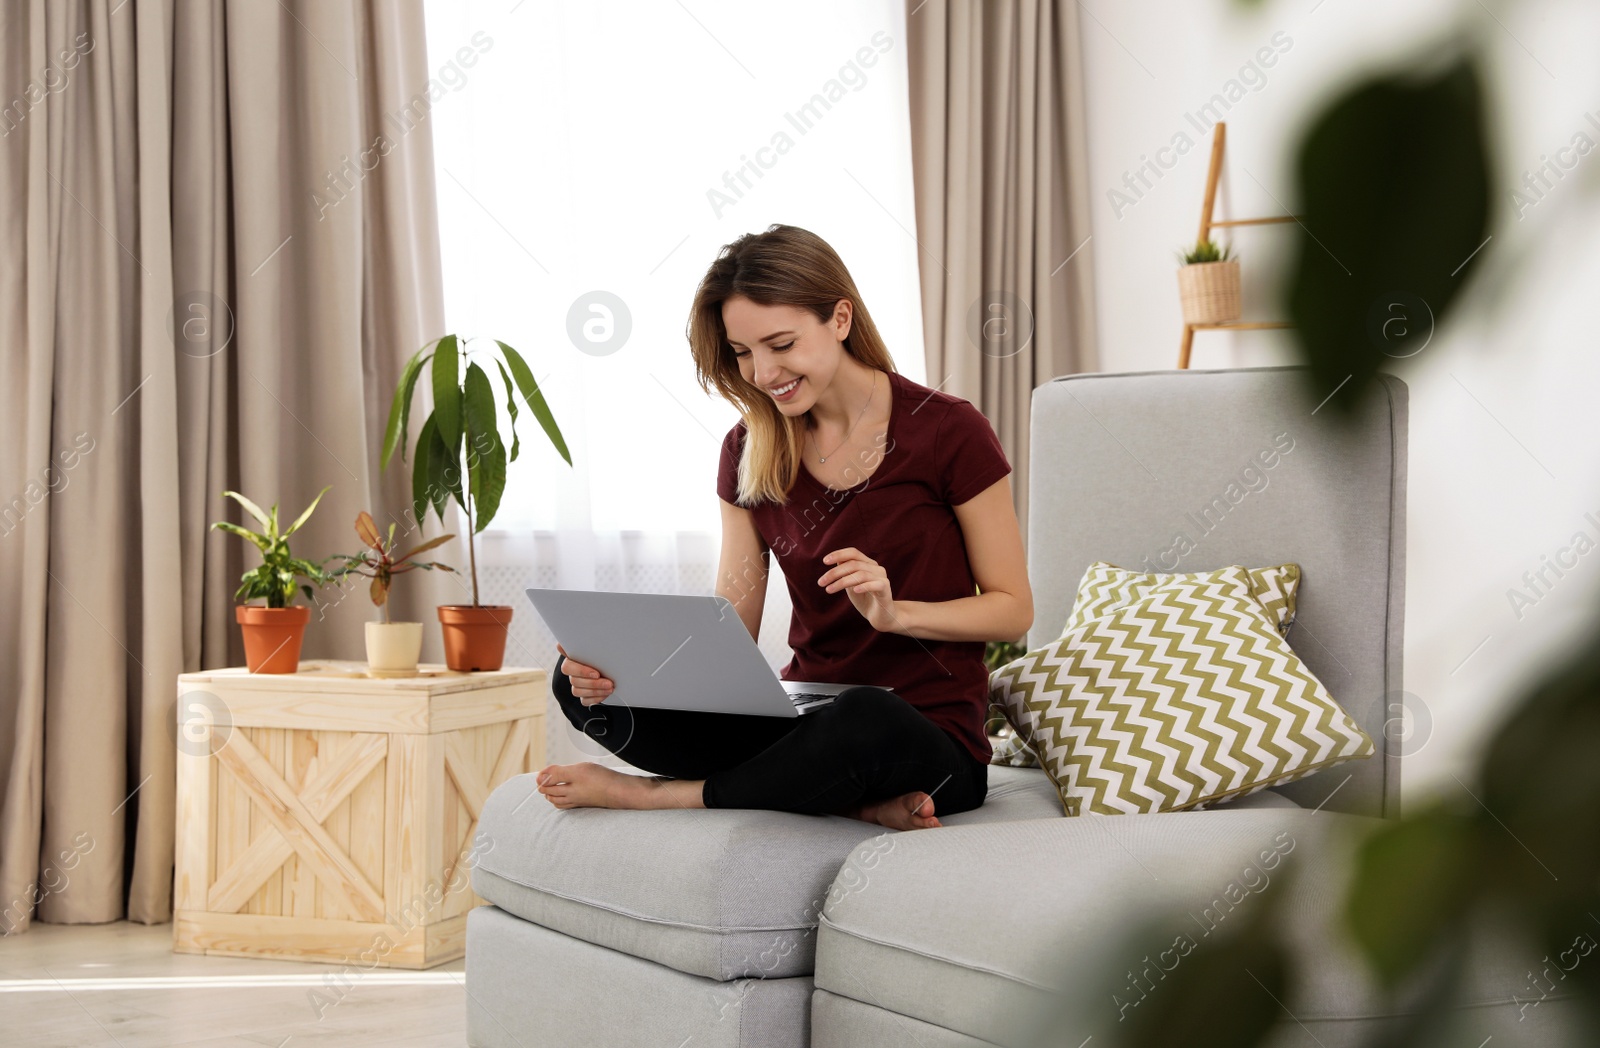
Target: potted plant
<point x="273" y="632"/>
<point x="1208" y="284"/>
<point x="392" y="647"/>
<point x="997" y="653"/>
<point x="460" y="455"/>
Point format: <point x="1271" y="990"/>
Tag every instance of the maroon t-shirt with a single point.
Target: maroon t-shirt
<point x="939" y="451"/>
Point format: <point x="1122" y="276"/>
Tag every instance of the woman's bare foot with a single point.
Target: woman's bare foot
<point x="909" y="811"/>
<point x="590" y="785"/>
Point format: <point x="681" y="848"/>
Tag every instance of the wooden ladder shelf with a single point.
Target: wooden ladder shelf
<point x="1219" y="138"/>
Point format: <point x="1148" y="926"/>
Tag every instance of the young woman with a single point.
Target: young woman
<point x="888" y="505"/>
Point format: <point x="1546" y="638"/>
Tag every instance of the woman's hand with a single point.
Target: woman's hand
<point x="587" y="683"/>
<point x="866" y="584"/>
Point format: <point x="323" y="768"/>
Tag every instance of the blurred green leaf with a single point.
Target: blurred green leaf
<point x="1414" y="881"/>
<point x="486" y="455"/>
<point x="1541" y="782"/>
<point x="530" y="392"/>
<point x="302" y="518"/>
<point x="1393" y="187"/>
<point x="261" y="542"/>
<point x="395" y="432"/>
<point x="435" y="475"/>
<point x="447" y="393"/>
<point x="511" y="406"/>
<point x="421" y="497"/>
<point x="1227" y="993"/>
<point x="491" y="483"/>
<point x="250" y="507"/>
<point x="478" y="413"/>
<point x="1432" y="1017"/>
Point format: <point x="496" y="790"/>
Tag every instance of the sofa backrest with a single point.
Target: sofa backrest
<point x="1197" y="470"/>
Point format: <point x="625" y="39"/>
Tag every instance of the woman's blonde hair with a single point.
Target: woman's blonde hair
<point x="784" y="266"/>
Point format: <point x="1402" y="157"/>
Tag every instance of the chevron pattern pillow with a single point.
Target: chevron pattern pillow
<point x="1186" y="696"/>
<point x="1106" y="587"/>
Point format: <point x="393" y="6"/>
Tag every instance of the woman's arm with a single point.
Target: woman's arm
<point x="742" y="568"/>
<point x="1003" y="609"/>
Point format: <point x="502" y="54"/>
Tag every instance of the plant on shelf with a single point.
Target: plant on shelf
<point x="1206" y="251"/>
<point x="1208" y="284"/>
<point x="393" y="648"/>
<point x="273" y="632"/>
<point x="460" y="454"/>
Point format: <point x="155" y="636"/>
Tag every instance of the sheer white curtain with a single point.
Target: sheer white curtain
<point x="592" y="159"/>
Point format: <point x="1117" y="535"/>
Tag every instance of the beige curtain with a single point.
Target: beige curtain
<point x="998" y="157"/>
<point x="215" y="254"/>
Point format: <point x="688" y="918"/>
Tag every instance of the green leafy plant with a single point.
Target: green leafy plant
<point x="999" y="652"/>
<point x="1384" y="245"/>
<point x="274" y="581"/>
<point x="1206" y="251"/>
<point x="996" y="654"/>
<point x="379" y="563"/>
<point x="460" y="439"/>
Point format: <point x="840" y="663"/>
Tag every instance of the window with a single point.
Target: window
<point x="592" y="158"/>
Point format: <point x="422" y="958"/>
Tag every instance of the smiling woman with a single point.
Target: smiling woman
<point x="898" y="581"/>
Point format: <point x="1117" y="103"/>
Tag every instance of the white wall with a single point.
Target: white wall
<point x="1503" y="457"/>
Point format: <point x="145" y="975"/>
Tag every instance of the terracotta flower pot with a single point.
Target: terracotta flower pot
<point x="272" y="636"/>
<point x="474" y="637"/>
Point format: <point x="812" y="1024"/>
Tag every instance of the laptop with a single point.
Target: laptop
<point x="673" y="651"/>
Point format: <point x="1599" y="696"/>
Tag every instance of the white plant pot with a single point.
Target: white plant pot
<point x="393" y="648"/>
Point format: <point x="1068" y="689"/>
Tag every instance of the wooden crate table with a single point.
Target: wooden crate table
<point x="326" y="815"/>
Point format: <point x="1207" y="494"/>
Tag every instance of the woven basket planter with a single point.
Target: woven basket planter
<point x="1209" y="292"/>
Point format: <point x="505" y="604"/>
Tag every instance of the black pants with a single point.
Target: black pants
<point x="866" y="745"/>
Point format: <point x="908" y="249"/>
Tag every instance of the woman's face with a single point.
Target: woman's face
<point x="785" y="351"/>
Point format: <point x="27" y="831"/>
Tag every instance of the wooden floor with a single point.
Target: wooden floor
<point x="93" y="985"/>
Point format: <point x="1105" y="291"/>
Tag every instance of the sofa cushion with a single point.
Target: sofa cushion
<point x="1043" y="919"/>
<point x="727" y="894"/>
<point x="1186" y="696"/>
<point x="535" y="988"/>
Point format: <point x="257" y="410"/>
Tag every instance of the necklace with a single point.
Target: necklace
<point x="823" y="458"/>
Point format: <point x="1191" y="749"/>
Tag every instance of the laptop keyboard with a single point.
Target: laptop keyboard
<point x="809" y="700"/>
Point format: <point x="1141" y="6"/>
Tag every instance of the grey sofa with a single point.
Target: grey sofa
<point x="755" y="928"/>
